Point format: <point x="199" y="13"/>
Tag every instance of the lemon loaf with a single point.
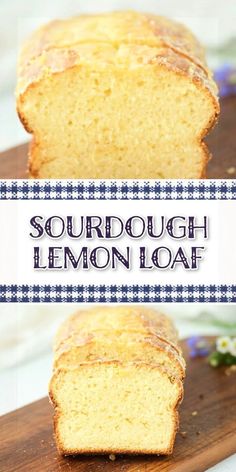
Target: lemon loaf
<point x="117" y="382"/>
<point x="116" y="95"/>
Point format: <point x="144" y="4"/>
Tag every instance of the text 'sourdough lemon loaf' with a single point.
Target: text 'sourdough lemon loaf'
<point x="117" y="382"/>
<point x="116" y="95"/>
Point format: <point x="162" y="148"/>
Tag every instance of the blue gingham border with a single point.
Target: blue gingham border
<point x="118" y="190"/>
<point x="117" y="293"/>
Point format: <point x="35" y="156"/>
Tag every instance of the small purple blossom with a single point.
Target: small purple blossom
<point x="198" y="346"/>
<point x="225" y="77"/>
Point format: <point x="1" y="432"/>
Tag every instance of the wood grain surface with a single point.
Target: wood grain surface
<point x="27" y="443"/>
<point x="221" y="142"/>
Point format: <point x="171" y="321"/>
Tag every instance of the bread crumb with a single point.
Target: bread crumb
<point x="201" y="396"/>
<point x="183" y="434"/>
<point x="112" y="457"/>
<point x="231" y="170"/>
<point x="198" y="432"/>
<point x="194" y="413"/>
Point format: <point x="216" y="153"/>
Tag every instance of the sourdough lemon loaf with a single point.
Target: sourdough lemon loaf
<point x="117" y="382"/>
<point x="116" y="95"/>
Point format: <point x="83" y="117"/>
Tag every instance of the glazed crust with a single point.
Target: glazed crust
<point x="59" y="44"/>
<point x="147" y="327"/>
<point x="118" y="27"/>
<point x="134" y="319"/>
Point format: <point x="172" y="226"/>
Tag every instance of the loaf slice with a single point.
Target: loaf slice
<point x="119" y="95"/>
<point x="117" y="346"/>
<point x="117" y="382"/>
<point x="115" y="408"/>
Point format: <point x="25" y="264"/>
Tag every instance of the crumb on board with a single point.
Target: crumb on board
<point x="198" y="432"/>
<point x="230" y="370"/>
<point x="201" y="396"/>
<point x="183" y="434"/>
<point x="112" y="457"/>
<point x="194" y="413"/>
<point x="231" y="170"/>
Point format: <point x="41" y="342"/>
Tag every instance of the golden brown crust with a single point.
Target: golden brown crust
<point x="137" y="365"/>
<point x="56" y="62"/>
<point x="141" y="326"/>
<point x="60" y="44"/>
<point x="85" y="326"/>
<point x="175" y="357"/>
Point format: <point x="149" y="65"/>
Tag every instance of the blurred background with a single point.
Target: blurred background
<point x="212" y="21"/>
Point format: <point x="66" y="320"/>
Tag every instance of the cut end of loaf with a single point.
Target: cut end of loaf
<point x="118" y="108"/>
<point x="121" y="334"/>
<point x="108" y="408"/>
<point x="117" y="382"/>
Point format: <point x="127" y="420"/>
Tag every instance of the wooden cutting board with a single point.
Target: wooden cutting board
<point x="222" y="144"/>
<point x="27" y="443"/>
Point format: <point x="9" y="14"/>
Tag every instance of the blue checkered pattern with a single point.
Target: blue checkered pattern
<point x="116" y="293"/>
<point x="118" y="190"/>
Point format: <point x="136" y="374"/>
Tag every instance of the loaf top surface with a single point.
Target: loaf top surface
<point x="119" y="332"/>
<point x="126" y="27"/>
<point x="116" y="320"/>
<point x="121" y="38"/>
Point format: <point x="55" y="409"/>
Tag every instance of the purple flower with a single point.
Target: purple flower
<point x="225" y="77"/>
<point x="198" y="346"/>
